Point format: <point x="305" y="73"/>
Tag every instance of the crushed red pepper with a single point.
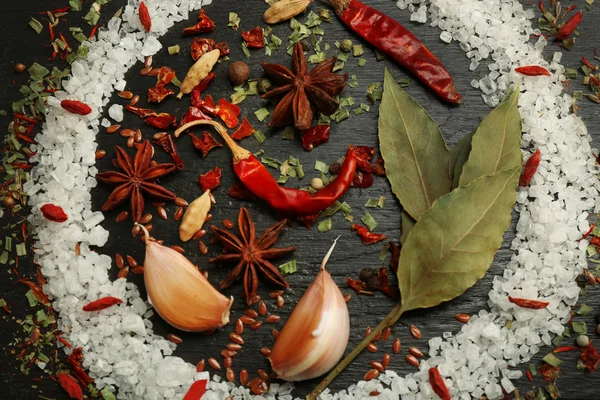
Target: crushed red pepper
<point x="254" y="38"/>
<point x="210" y="180"/>
<point x="366" y="236"/>
<point x="314" y="136"/>
<point x="74" y="360"/>
<point x="206" y="143"/>
<point x="201" y="46"/>
<point x="530" y="169"/>
<point x="549" y="373"/>
<point x="102" y="303"/>
<point x="204" y="25"/>
<point x="167" y="144"/>
<point x="161" y="121"/>
<point x="589" y="357"/>
<point x="229" y="113"/>
<point x="241" y="192"/>
<point x="157" y="94"/>
<point x="243" y="131"/>
<point x="363" y="180"/>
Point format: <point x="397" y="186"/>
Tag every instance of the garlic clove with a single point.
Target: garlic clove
<point x="316" y="334"/>
<point x="195" y="216"/>
<point x="180" y="293"/>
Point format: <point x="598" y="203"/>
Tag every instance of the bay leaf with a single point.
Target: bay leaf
<point x="453" y="244"/>
<point x="413" y="148"/>
<point x="459" y="155"/>
<point x="407" y="224"/>
<point x="496" y="142"/>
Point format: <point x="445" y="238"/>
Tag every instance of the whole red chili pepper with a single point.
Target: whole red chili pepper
<point x="533" y="70"/>
<point x="314" y="136"/>
<point x="144" y="15"/>
<point x="53" y="213"/>
<point x="70" y="385"/>
<point x="259" y="181"/>
<point x="530" y="169"/>
<point x="391" y="38"/>
<point x="196" y="391"/>
<point x="366" y="236"/>
<point x="76" y="107"/>
<point x="438" y="385"/>
<point x="210" y="180"/>
<point x="525" y="303"/>
<point x="567" y="29"/>
<point x="101" y="304"/>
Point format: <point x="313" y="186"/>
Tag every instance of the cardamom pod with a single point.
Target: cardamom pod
<point x="194" y="217"/>
<point x="284" y="10"/>
<point x="199" y="71"/>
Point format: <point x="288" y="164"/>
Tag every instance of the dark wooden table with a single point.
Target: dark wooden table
<point x="21" y="44"/>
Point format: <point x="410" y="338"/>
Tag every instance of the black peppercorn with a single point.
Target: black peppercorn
<point x="334" y="168"/>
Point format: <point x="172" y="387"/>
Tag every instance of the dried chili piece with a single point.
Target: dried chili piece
<point x="567" y="29"/>
<point x="210" y="180"/>
<point x="526" y="303"/>
<point x="308" y="220"/>
<point x="204" y="25"/>
<point x="37" y="291"/>
<point x="165" y="76"/>
<point x="588" y="64"/>
<point x="359" y="286"/>
<point x="363" y="180"/>
<point x="161" y="121"/>
<point x="314" y="136"/>
<point x="589" y="357"/>
<point x="101" y="304"/>
<point x="196" y="93"/>
<point x="158" y="93"/>
<point x="530" y="169"/>
<point x="74" y="360"/>
<point x="193" y="114"/>
<point x="201" y="46"/>
<point x="229" y="113"/>
<point x="244" y="130"/>
<point x="565" y="348"/>
<point x="254" y="38"/>
<point x="241" y="192"/>
<point x="379" y="167"/>
<point x="70" y="385"/>
<point x="223" y="48"/>
<point x="141" y="112"/>
<point x="167" y="144"/>
<point x="364" y="152"/>
<point x="76" y="107"/>
<point x="529" y="376"/>
<point x="395" y="257"/>
<point x="384" y="284"/>
<point x="205" y="144"/>
<point x="533" y="70"/>
<point x="366" y="236"/>
<point x="196" y="391"/>
<point x="53" y="213"/>
<point x="549" y="373"/>
<point x="438" y="385"/>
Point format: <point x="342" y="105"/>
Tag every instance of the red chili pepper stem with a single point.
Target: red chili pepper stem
<point x="239" y="153"/>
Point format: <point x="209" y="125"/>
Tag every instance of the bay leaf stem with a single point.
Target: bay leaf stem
<point x="389" y="320"/>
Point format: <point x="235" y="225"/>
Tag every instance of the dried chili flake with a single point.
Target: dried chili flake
<point x="364" y="152"/>
<point x="379" y="167"/>
<point x="565" y="348"/>
<point x="363" y="180"/>
<point x="308" y="220"/>
<point x="167" y="144"/>
<point x="205" y="144"/>
<point x="244" y="130"/>
<point x="589" y="357"/>
<point x="529" y="376"/>
<point x="204" y="25"/>
<point x="76" y="107"/>
<point x="165" y="76"/>
<point x="567" y="29"/>
<point x="314" y="136"/>
<point x="549" y="372"/>
<point x="102" y="303"/>
<point x="158" y="93"/>
<point x="254" y="38"/>
<point x="196" y="93"/>
<point x="193" y="114"/>
<point x="384" y="284"/>
<point x="70" y="385"/>
<point x="588" y="64"/>
<point x="229" y="113"/>
<point x="161" y="121"/>
<point x="53" y="213"/>
<point x="359" y="286"/>
<point x="241" y="192"/>
<point x="211" y="179"/>
<point x="144" y="15"/>
<point x="141" y="112"/>
<point x="74" y="359"/>
<point x="533" y="70"/>
<point x="201" y="46"/>
<point x="223" y="48"/>
<point x="366" y="236"/>
<point x="438" y="385"/>
<point x="526" y="303"/>
<point x="196" y="391"/>
<point x="37" y="291"/>
<point x="530" y="169"/>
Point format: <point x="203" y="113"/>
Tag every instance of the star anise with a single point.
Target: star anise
<point x="300" y="92"/>
<point x="251" y="255"/>
<point x="135" y="179"/>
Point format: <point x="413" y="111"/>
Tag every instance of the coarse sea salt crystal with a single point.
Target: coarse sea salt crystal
<point x="116" y="112"/>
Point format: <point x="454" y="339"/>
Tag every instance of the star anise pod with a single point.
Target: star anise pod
<point x="300" y="92"/>
<point x="135" y="179"/>
<point x="251" y="255"/>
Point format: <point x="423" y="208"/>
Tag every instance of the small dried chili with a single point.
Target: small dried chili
<point x="161" y="121"/>
<point x="166" y="143"/>
<point x="53" y="213"/>
<point x="533" y="70"/>
<point x="141" y="112"/>
<point x="201" y="46"/>
<point x="223" y="48"/>
<point x="314" y="136"/>
<point x="366" y="236"/>
<point x="229" y="113"/>
<point x="210" y="180"/>
<point x="204" y="25"/>
<point x="588" y="64"/>
<point x="590" y="357"/>
<point x="254" y="38"/>
<point x="363" y="180"/>
<point x="244" y="130"/>
<point x="74" y="360"/>
<point x="565" y="348"/>
<point x="101" y="304"/>
<point x="567" y="29"/>
<point x="240" y="192"/>
<point x="205" y="144"/>
<point x="158" y="93"/>
<point x="37" y="291"/>
<point x="70" y="385"/>
<point x="526" y="303"/>
<point x="76" y="107"/>
<point x="196" y="391"/>
<point x="144" y="15"/>
<point x="530" y="169"/>
<point x="589" y="232"/>
<point x="437" y="384"/>
<point x="549" y="373"/>
<point x="387" y="35"/>
<point x="529" y="376"/>
<point x="308" y="220"/>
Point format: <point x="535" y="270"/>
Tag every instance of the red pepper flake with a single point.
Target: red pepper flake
<point x="206" y="143"/>
<point x="201" y="46"/>
<point x="314" y="136"/>
<point x="567" y="29"/>
<point x="167" y="144"/>
<point x="359" y="286"/>
<point x="74" y="360"/>
<point x="308" y="220"/>
<point x="102" y="304"/>
<point x="210" y="180"/>
<point x="244" y="130"/>
<point x="438" y="385"/>
<point x="161" y="121"/>
<point x="549" y="372"/>
<point x="589" y="232"/>
<point x="144" y="15"/>
<point x="54" y="213"/>
<point x="165" y="76"/>
<point x="196" y="94"/>
<point x="384" y="284"/>
<point x="363" y="180"/>
<point x="76" y="107"/>
<point x="196" y="391"/>
<point x="204" y="25"/>
<point x="526" y="303"/>
<point x="70" y="385"/>
<point x="241" y="192"/>
<point x="366" y="236"/>
<point x="565" y="348"/>
<point x="588" y="64"/>
<point x="229" y="113"/>
<point x="193" y="114"/>
<point x="529" y="376"/>
<point x="530" y="169"/>
<point x="158" y="93"/>
<point x="590" y="357"/>
<point x="141" y="112"/>
<point x="93" y="31"/>
<point x="595" y="241"/>
<point x="594" y="80"/>
<point x="254" y="38"/>
<point x="533" y="70"/>
<point x="223" y="48"/>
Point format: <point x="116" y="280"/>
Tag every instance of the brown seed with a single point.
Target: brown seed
<point x="386" y="333"/>
<point x="228" y="224"/>
<point x="377" y="337"/>
<point x="258" y="389"/>
<point x="464" y="318"/>
<point x="264" y="375"/>
<point x="20" y="67"/>
<point x="137" y="136"/>
<point x="131" y="261"/>
<point x="372" y="374"/>
<point x="275" y="333"/>
<point x="412" y="360"/>
<point x="203" y="248"/>
<point x="239" y="327"/>
<point x="214" y="240"/>
<point x="233" y="346"/>
<point x="200" y="366"/>
<point x="174" y="338"/>
<point x="119" y="260"/>
<point x="273" y="318"/>
<point x="181" y="202"/>
<point x="139" y="270"/>
<point x="368" y="331"/>
<point x="158" y="204"/>
<point x="254" y="382"/>
<point x="415" y="332"/>
<point x="396" y="346"/>
<point x="255" y="299"/>
<point x="100" y="154"/>
<point x="251" y="313"/>
<point x="208" y="218"/>
<point x="148" y="61"/>
<point x="159" y="135"/>
<point x="246" y="320"/>
<point x="374" y="393"/>
<point x="78" y="248"/>
<point x="145" y="219"/>
<point x="228" y="353"/>
<point x="265" y="351"/>
<point x="243" y="377"/>
<point x="235" y="338"/>
<point x="134" y="100"/>
<point x="347" y="297"/>
<point x="371" y="347"/>
<point x="162" y="212"/>
<point x="227" y="362"/>
<point x="178" y="249"/>
<point x="178" y="214"/>
<point x="376" y="365"/>
<point x="123" y="272"/>
<point x="35" y="335"/>
<point x="230" y="375"/>
<point x="113" y="128"/>
<point x="130" y="142"/>
<point x="127" y="133"/>
<point x="200" y="234"/>
<point x="145" y="71"/>
<point x="122" y="216"/>
<point x="154" y="72"/>
<point x="126" y="94"/>
<point x="280" y="301"/>
<point x="148" y="227"/>
<point x="385" y="361"/>
<point x="262" y="308"/>
<point x="273" y="294"/>
<point x="214" y="364"/>
<point x="415" y="352"/>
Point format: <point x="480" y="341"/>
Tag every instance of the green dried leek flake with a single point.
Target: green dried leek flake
<point x="288" y="268"/>
<point x="36" y="25"/>
<point x="174" y="50"/>
<point x="369" y="221"/>
<point x="261" y="114"/>
<point x="234" y="21"/>
<point x="324" y="226"/>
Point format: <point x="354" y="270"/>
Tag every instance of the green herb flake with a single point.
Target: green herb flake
<point x="283" y="179"/>
<point x="288" y="268"/>
<point x="75" y="5"/>
<point x="174" y="49"/>
<point x="21" y="249"/>
<point x="375" y="203"/>
<point x="234" y="21"/>
<point x="3" y="303"/>
<point x="584" y="309"/>
<point x="341" y="115"/>
<point x="288" y="133"/>
<point x="551" y="359"/>
<point x="353" y="82"/>
<point x="80" y="37"/>
<point x="7" y="243"/>
<point x="579" y="327"/>
<point x="357" y="50"/>
<point x="321" y="166"/>
<point x="36" y="25"/>
<point x="262" y="114"/>
<point x="271" y="162"/>
<point x="245" y="50"/>
<point x="384" y="252"/>
<point x="346" y="209"/>
<point x="93" y="15"/>
<point x="369" y="221"/>
<point x="362" y="62"/>
<point x="374" y="92"/>
<point x="31" y="298"/>
<point x="578" y="95"/>
<point x="38" y="71"/>
<point x="82" y="51"/>
<point x="557" y="339"/>
<point x="404" y="82"/>
<point x="532" y="368"/>
<point x="358" y="111"/>
<point x="324" y="226"/>
<point x="317" y="58"/>
<point x="379" y="55"/>
<point x="259" y="136"/>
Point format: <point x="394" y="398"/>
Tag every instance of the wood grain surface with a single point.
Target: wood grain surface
<point x="22" y="44"/>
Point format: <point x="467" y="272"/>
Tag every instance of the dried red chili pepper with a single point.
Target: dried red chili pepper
<point x="193" y="114"/>
<point x="210" y="180"/>
<point x="196" y="391"/>
<point x="141" y="112"/>
<point x="314" y="136"/>
<point x="588" y="64"/>
<point x="530" y="169"/>
<point x="529" y="377"/>
<point x="76" y="107"/>
<point x="399" y="43"/>
<point x="366" y="236"/>
<point x="94" y="30"/>
<point x="363" y="180"/>
<point x="201" y="46"/>
<point x="205" y="144"/>
<point x="53" y="213"/>
<point x="567" y="29"/>
<point x="594" y="80"/>
<point x="223" y="48"/>
<point x="244" y="130"/>
<point x="101" y="304"/>
<point x="438" y="385"/>
<point x="158" y="93"/>
<point x="589" y="232"/>
<point x="166" y="143"/>
<point x="196" y="95"/>
<point x="526" y="303"/>
<point x="165" y="76"/>
<point x="144" y="15"/>
<point x="161" y="121"/>
<point x="241" y="192"/>
<point x="254" y="38"/>
<point x="595" y="241"/>
<point x="590" y="357"/>
<point x="549" y="373"/>
<point x="533" y="70"/>
<point x="229" y="113"/>
<point x="204" y="25"/>
<point x="565" y="348"/>
<point x="70" y="385"/>
<point x="384" y="284"/>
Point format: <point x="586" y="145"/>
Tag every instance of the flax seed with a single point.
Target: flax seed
<point x="125" y="133"/>
<point x="372" y="374"/>
<point x="415" y="352"/>
<point x="415" y="332"/>
<point x="227" y="362"/>
<point x="254" y="382"/>
<point x="246" y="320"/>
<point x="376" y="365"/>
<point x="123" y="272"/>
<point x="131" y="261"/>
<point x="122" y="216"/>
<point x="154" y="72"/>
<point x="347" y="297"/>
<point x="243" y="377"/>
<point x="265" y="351"/>
<point x="100" y="154"/>
<point x="368" y="331"/>
<point x="273" y="294"/>
<point x="174" y="338"/>
<point x="135" y="230"/>
<point x="464" y="318"/>
<point x="251" y="313"/>
<point x="199" y="235"/>
<point x="377" y="337"/>
<point x="134" y="100"/>
<point x="139" y="270"/>
<point x="262" y="308"/>
<point x="412" y="360"/>
<point x="178" y="249"/>
<point x="235" y="338"/>
<point x="280" y="302"/>
<point x="371" y="347"/>
<point x="385" y="361"/>
<point x="130" y="142"/>
<point x="396" y="346"/>
<point x="228" y="224"/>
<point x="275" y="333"/>
<point x="127" y="95"/>
<point x="387" y="332"/>
<point x="145" y="219"/>
<point x="273" y="318"/>
<point x="228" y="353"/>
<point x="203" y="248"/>
<point x="209" y="217"/>
<point x="178" y="214"/>
<point x="233" y="346"/>
<point x="148" y="227"/>
<point x="137" y="136"/>
<point x="263" y="375"/>
<point x="113" y="128"/>
<point x="230" y="375"/>
<point x="162" y="212"/>
<point x="239" y="327"/>
<point x="148" y="61"/>
<point x="158" y="204"/>
<point x="144" y="71"/>
<point x="159" y="135"/>
<point x="200" y="366"/>
<point x="214" y="364"/>
<point x="181" y="202"/>
<point x="119" y="260"/>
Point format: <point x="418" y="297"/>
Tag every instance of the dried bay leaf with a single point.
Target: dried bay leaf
<point x="407" y="224"/>
<point x="496" y="143"/>
<point x="459" y="155"/>
<point x="453" y="244"/>
<point x="413" y="148"/>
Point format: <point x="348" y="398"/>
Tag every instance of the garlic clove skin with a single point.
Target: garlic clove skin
<point x="316" y="334"/>
<point x="179" y="292"/>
